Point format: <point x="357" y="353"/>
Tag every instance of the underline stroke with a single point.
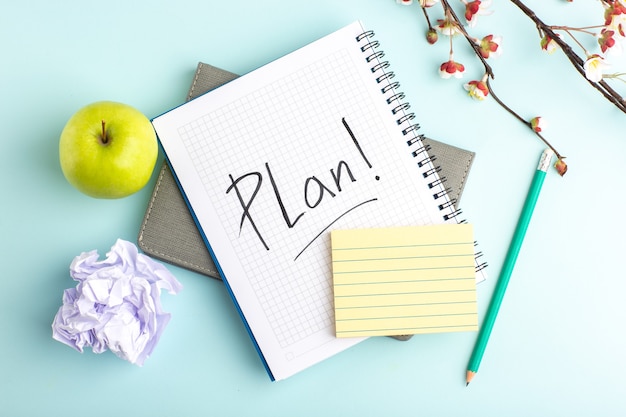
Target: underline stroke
<point x="333" y="222"/>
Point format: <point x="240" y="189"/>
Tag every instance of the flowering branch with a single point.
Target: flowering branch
<point x="489" y="74"/>
<point x="449" y="10"/>
<point x="482" y="49"/>
<point x="547" y="31"/>
<point x="589" y="65"/>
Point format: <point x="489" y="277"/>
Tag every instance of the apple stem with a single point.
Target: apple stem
<point x="104" y="138"/>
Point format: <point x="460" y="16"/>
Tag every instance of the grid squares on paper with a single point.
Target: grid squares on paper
<point x="288" y="126"/>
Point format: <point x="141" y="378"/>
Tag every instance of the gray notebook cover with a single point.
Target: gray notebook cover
<point x="168" y="231"/>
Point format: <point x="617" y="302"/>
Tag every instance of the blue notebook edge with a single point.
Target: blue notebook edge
<point x="219" y="269"/>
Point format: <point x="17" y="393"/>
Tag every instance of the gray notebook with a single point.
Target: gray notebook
<point x="168" y="231"/>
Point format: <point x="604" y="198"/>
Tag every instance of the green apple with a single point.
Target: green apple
<point x="108" y="150"/>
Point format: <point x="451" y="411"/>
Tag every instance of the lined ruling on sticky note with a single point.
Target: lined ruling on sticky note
<point x="404" y="280"/>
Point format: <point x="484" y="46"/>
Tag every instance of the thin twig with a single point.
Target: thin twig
<point x="518" y="117"/>
<point x="430" y="26"/>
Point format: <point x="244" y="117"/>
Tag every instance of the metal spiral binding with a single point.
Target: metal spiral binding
<point x="479" y="265"/>
<point x="400" y="109"/>
<point x="414" y="140"/>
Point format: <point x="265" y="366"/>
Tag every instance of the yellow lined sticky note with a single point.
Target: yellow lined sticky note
<point x="404" y="280"/>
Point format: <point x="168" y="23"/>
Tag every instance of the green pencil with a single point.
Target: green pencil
<point x="509" y="263"/>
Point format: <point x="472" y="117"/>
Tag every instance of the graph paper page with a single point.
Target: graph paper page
<point x="274" y="160"/>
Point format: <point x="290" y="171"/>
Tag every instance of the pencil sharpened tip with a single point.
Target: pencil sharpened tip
<point x="468" y="377"/>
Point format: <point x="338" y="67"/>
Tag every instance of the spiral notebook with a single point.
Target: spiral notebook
<point x="270" y="162"/>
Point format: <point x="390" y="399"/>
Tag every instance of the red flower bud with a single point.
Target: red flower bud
<point x="561" y="166"/>
<point x="431" y="36"/>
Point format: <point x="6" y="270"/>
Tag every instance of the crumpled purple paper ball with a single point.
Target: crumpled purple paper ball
<point x="116" y="303"/>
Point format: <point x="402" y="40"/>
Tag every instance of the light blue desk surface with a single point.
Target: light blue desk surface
<point x="559" y="344"/>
